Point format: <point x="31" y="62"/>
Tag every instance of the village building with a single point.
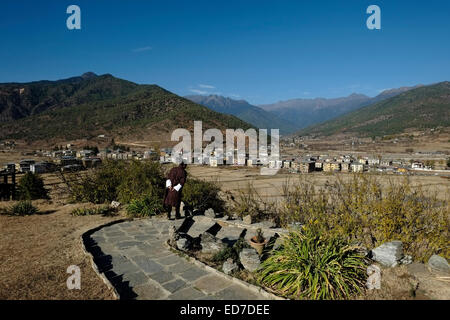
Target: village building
<point x="331" y="166"/>
<point x="318" y="165"/>
<point x="357" y="167"/>
<point x="25" y="165"/>
<point x="345" y="167"/>
<point x="213" y="162"/>
<point x="417" y="165"/>
<point x="307" y="166"/>
<point x="68" y="160"/>
<point x="85" y="153"/>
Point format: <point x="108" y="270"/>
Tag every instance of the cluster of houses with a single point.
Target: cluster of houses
<point x="69" y="160"/>
<point x="345" y="163"/>
<point x="72" y="160"/>
<point x="306" y="164"/>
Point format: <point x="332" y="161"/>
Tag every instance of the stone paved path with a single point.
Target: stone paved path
<point x="134" y="257"/>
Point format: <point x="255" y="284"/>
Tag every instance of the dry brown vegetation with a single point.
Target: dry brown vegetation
<point x="36" y="250"/>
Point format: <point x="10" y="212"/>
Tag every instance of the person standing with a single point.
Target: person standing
<point x="176" y="178"/>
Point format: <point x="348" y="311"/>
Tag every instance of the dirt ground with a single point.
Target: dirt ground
<point x="35" y="252"/>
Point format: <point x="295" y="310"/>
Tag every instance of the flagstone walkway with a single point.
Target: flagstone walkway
<point x="135" y="259"/>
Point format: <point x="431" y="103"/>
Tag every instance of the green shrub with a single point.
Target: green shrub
<point x="362" y="210"/>
<point x="141" y="178"/>
<point x="202" y="195"/>
<point x="23" y="208"/>
<point x="119" y="181"/>
<point x="31" y="187"/>
<point x="308" y="266"/>
<point x="145" y="207"/>
<point x="89" y="211"/>
<point x="100" y="184"/>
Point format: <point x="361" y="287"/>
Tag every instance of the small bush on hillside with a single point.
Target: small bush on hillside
<point x="308" y="266"/>
<point x="31" y="187"/>
<point x="141" y="178"/>
<point x="99" y="185"/>
<point x="120" y="181"/>
<point x="145" y="207"/>
<point x="202" y="195"/>
<point x="23" y="208"/>
<point x="89" y="211"/>
<point x="362" y="210"/>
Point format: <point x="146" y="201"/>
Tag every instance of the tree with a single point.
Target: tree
<point x="31" y="187"/>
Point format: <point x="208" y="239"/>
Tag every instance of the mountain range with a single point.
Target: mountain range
<point x="245" y="111"/>
<point x="90" y="105"/>
<point x="307" y="112"/>
<point x="420" y="108"/>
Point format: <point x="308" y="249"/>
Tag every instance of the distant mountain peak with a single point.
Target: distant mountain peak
<point x="88" y="75"/>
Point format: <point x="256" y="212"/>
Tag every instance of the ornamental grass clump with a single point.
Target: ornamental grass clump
<point x="22" y="208"/>
<point x="145" y="207"/>
<point x="309" y="266"/>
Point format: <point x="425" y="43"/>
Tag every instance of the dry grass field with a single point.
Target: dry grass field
<point x="234" y="179"/>
<point x="35" y="252"/>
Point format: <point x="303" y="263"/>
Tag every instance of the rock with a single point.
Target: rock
<point x="295" y="225"/>
<point x="182" y="211"/>
<point x="173" y="236"/>
<point x="278" y="242"/>
<point x="439" y="263"/>
<point x="115" y="204"/>
<point x="183" y="244"/>
<point x="374" y="279"/>
<point x="210" y="244"/>
<point x="388" y="254"/>
<point x="210" y="213"/>
<point x="250" y="259"/>
<point x="268" y="224"/>
<point x="236" y="217"/>
<point x="229" y="266"/>
<point x="247" y="219"/>
<point x="406" y="260"/>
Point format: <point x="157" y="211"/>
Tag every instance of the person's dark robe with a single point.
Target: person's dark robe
<point x="176" y="176"/>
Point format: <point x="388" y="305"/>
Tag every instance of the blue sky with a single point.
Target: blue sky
<point x="261" y="51"/>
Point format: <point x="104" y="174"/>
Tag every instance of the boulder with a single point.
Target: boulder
<point x="173" y="236"/>
<point x="374" y="279"/>
<point x="295" y="225"/>
<point x="210" y="213"/>
<point x="236" y="217"/>
<point x="439" y="263"/>
<point x="249" y="259"/>
<point x="115" y="204"/>
<point x="247" y="219"/>
<point x="268" y="224"/>
<point x="388" y="254"/>
<point x="229" y="266"/>
<point x="210" y="244"/>
<point x="183" y="244"/>
<point x="182" y="210"/>
<point x="278" y="242"/>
